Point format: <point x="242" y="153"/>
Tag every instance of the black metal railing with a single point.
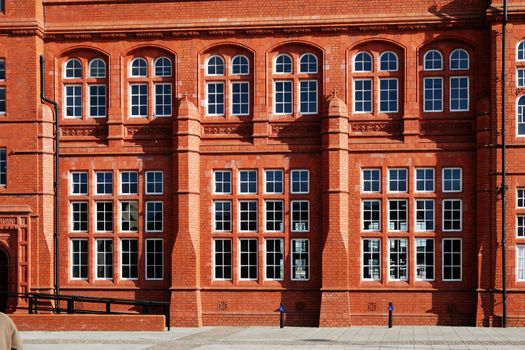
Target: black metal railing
<point x="74" y="304"/>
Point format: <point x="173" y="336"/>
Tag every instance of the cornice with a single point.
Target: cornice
<point x="22" y="27"/>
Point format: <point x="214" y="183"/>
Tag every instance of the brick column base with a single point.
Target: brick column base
<point x="186" y="308"/>
<point x="335" y="309"/>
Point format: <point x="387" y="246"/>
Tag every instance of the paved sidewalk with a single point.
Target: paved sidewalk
<point x="236" y="338"/>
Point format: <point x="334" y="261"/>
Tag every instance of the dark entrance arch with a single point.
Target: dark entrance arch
<point x="4" y="280"/>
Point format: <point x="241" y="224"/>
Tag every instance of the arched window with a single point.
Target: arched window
<point x="215" y="65"/>
<point x="363" y="62"/>
<point x="139" y="67"/>
<point x="240" y="65"/>
<point x="78" y="103"/>
<point x="73" y="69"/>
<point x="283" y="64"/>
<point x="162" y="67"/>
<point x="308" y="63"/>
<point x="459" y="60"/>
<point x="388" y="62"/>
<point x="521" y="51"/>
<point x="433" y="60"/>
<point x="97" y="68"/>
<point x="520" y="116"/>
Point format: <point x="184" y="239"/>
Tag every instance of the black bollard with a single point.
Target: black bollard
<point x="390" y="309"/>
<point x="281" y="311"/>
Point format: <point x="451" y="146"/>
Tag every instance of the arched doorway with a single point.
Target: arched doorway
<point x="4" y="279"/>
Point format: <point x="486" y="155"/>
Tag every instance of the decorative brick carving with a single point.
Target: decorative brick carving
<point x="148" y="131"/>
<point x="239" y="130"/>
<point x="377" y="127"/>
<point x="292" y="129"/>
<point x="84" y="131"/>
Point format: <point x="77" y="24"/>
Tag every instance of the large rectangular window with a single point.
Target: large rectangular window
<point x="451" y="259"/>
<point x="397" y="180"/>
<point x="154" y="182"/>
<point x="308" y="96"/>
<point x="129" y="181"/>
<point x="459" y="94"/>
<point x="274" y="259"/>
<point x="424" y="215"/>
<point x="104" y="258"/>
<point x="129" y="257"/>
<point x="363" y="96"/>
<point x="274" y="214"/>
<point x="248" y="182"/>
<point x="79" y="258"/>
<point x="300" y="181"/>
<point x="248" y="259"/>
<point x="154" y="216"/>
<point x="79" y="183"/>
<point x="139" y="100"/>
<point x="300" y="259"/>
<point x="371" y="180"/>
<point x="129" y="213"/>
<point x="215" y="98"/>
<point x="300" y="216"/>
<point x="154" y="259"/>
<point x="222" y="215"/>
<point x="222" y="181"/>
<point x="248" y="216"/>
<point x="283" y="97"/>
<point x="3" y="167"/>
<point x="163" y="100"/>
<point x="452" y="220"/>
<point x="371" y="215"/>
<point x="425" y="259"/>
<point x="79" y="216"/>
<point x="104" y="216"/>
<point x="371" y="259"/>
<point x="73" y="101"/>
<point x="398" y="264"/>
<point x="104" y="182"/>
<point x="433" y="94"/>
<point x="97" y="101"/>
<point x="452" y="179"/>
<point x="397" y="215"/>
<point x="240" y="98"/>
<point x="273" y="181"/>
<point x="388" y="95"/>
<point x="425" y="180"/>
<point x="223" y="259"/>
<point x="521" y="262"/>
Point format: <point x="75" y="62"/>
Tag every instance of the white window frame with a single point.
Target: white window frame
<point x="66" y="106"/>
<point x="222" y="182"/>
<point x="424" y="179"/>
<point x="460" y="215"/>
<point x="214" y="259"/>
<point x="206" y="67"/>
<point x="522" y="78"/>
<point x="155" y="67"/>
<point x="399" y="211"/>
<point x="389" y="265"/>
<point x="371" y="181"/>
<point x="266" y="252"/>
<point x="363" y="101"/>
<point x="460" y="179"/>
<point x="66" y="69"/>
<point x="275" y="64"/>
<point x="450" y="94"/>
<point x="112" y="258"/>
<point x="98" y="106"/>
<point x="215" y="212"/>
<point x="388" y="101"/>
<point x="121" y="212"/>
<point x="520" y="115"/>
<point x="520" y="217"/>
<point x="71" y="221"/>
<point x="274" y="182"/>
<point x="522" y="190"/>
<point x="79" y="265"/>
<point x="520" y="47"/>
<point x="300" y="62"/>
<point x="128" y="182"/>
<point x="416" y="229"/>
<point x="97" y="60"/>
<point x="520" y="270"/>
<point x="291" y="82"/>
<point x="121" y="270"/>
<point x="425" y="59"/>
<point x="275" y="222"/>
<point x="362" y="267"/>
<point x="164" y="105"/>
<point x="388" y="70"/>
<point x="248" y="221"/>
<point x="104" y="183"/>
<point x="139" y="105"/>
<point x="240" y="182"/>
<point x="292" y="265"/>
<point x="147" y="240"/>
<point x="443" y="260"/>
<point x="433" y="99"/>
<point x="131" y="68"/>
<point x="247" y="64"/>
<point x="249" y="252"/>
<point x="363" y="216"/>
<point x="398" y="181"/>
<point x="450" y="59"/>
<point x="72" y="184"/>
<point x="426" y="263"/>
<point x="146" y="182"/>
<point x="292" y="228"/>
<point x="355" y="70"/>
<point x="247" y="83"/>
<point x="300" y="182"/>
<point x="147" y="221"/>
<point x="216" y="94"/>
<point x="299" y="94"/>
<point x="104" y="222"/>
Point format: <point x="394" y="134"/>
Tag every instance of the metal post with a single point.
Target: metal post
<point x="390" y="309"/>
<point x="503" y="166"/>
<point x="281" y="312"/>
<point x="108" y="307"/>
<point x="70" y="305"/>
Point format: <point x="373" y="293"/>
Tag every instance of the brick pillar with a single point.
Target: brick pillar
<point x="186" y="310"/>
<point x="335" y="302"/>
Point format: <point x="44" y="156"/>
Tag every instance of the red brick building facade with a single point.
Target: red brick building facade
<point x="229" y="156"/>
